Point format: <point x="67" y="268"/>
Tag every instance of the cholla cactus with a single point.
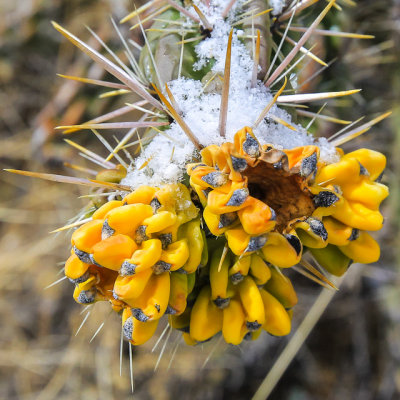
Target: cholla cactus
<point x="208" y="251"/>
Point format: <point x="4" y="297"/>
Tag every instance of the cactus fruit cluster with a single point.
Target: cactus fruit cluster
<point x="228" y="190"/>
<point x="260" y="208"/>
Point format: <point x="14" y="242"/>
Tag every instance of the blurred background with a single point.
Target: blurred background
<point x="354" y="350"/>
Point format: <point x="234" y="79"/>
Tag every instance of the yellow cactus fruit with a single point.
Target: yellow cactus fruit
<point x="246" y="305"/>
<point x="363" y="249"/>
<point x="137" y="332"/>
<point x="153" y="301"/>
<point x="205" y="318"/>
<point x="126" y="219"/>
<point x="359" y="216"/>
<point x="339" y="234"/>
<point x="160" y="221"/>
<point x="101" y="212"/>
<point x="373" y="161"/>
<point x="76" y="270"/>
<point x="243" y="190"/>
<point x="347" y="169"/>
<point x="238" y="240"/>
<point x="234" y="322"/>
<point x="149" y="254"/>
<point x="193" y="234"/>
<point x="111" y="252"/>
<point x="188" y="339"/>
<point x="176" y="255"/>
<point x="98" y="287"/>
<point x="219" y="223"/>
<point x="234" y="285"/>
<point x="142" y="195"/>
<point x="312" y="233"/>
<point x="282" y="250"/>
<point x="252" y="303"/>
<point x="219" y="278"/>
<point x="277" y="320"/>
<point x="257" y="218"/>
<point x="240" y="269"/>
<point x="259" y="270"/>
<point x="144" y="258"/>
<point x="86" y="292"/>
<point x="85" y="237"/>
<point x="253" y="335"/>
<point x="191" y="280"/>
<point x="354" y="178"/>
<point x="127" y="288"/>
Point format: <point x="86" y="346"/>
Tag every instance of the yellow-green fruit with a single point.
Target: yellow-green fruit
<point x="312" y="233"/>
<point x="254" y="335"/>
<point x="281" y="288"/>
<point x="114" y="175"/>
<point x="181" y="322"/>
<point x="332" y="259"/>
<point x="191" y="280"/>
<point x="204" y="254"/>
<point x="192" y="232"/>
<point x="178" y="293"/>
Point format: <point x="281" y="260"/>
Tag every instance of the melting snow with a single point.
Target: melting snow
<point x="277" y="6"/>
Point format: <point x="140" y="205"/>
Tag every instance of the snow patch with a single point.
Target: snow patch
<point x="277" y="6"/>
<point x="201" y="111"/>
